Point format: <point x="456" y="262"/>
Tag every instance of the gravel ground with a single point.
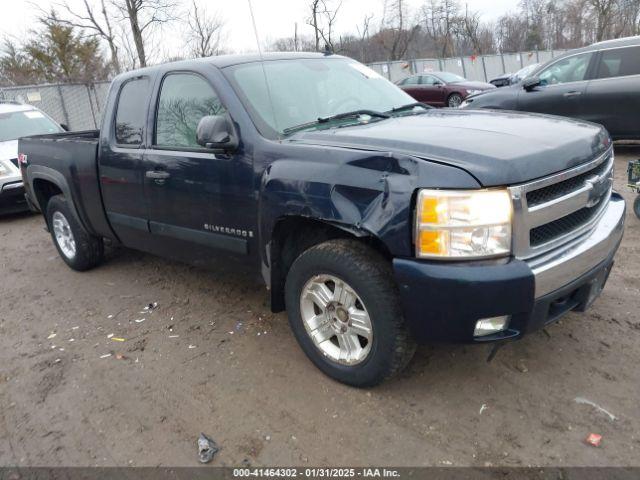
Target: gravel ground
<point x="212" y="358"/>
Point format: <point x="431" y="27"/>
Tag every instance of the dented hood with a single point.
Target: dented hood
<point x="497" y="148"/>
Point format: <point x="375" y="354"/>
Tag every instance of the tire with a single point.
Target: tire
<point x="636" y="206"/>
<point x="367" y="278"/>
<point x="79" y="249"/>
<point x="454" y="100"/>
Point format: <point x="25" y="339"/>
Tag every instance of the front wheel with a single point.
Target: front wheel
<point x="79" y="249"/>
<point x="454" y="100"/>
<point x="344" y="310"/>
<point x="636" y="206"/>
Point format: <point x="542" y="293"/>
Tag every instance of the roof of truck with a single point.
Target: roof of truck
<point x="223" y="61"/>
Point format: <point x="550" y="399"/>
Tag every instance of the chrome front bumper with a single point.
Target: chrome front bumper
<point x="559" y="267"/>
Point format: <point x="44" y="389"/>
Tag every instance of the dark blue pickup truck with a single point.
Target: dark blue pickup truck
<point x="376" y="222"/>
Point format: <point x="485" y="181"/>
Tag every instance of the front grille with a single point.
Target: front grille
<point x="552" y="211"/>
<point x="557" y="190"/>
<point x="565" y="225"/>
<point x="15" y="162"/>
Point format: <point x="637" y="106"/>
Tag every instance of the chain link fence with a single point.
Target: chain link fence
<point x="481" y="68"/>
<point x="79" y="106"/>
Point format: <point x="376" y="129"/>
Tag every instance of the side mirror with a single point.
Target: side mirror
<point x="64" y="127"/>
<point x="438" y="84"/>
<point x="530" y="83"/>
<point x="216" y="132"/>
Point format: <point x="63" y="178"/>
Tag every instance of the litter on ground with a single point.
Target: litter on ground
<point x="207" y="448"/>
<point x="593" y="439"/>
<point x="584" y="401"/>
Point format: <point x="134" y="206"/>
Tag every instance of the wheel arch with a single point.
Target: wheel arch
<point x="292" y="235"/>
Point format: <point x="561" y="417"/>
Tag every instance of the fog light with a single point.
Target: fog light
<point x="487" y="326"/>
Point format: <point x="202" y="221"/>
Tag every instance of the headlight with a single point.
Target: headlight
<point x="473" y="92"/>
<point x="463" y="224"/>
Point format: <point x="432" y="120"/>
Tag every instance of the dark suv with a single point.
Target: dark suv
<point x="600" y="83"/>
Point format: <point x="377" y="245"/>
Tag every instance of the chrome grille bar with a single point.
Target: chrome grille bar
<point x="588" y="193"/>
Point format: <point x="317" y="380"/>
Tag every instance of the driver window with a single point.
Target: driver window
<point x="184" y="99"/>
<point x="572" y="69"/>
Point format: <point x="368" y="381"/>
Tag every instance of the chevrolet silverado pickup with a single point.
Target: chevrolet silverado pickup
<point x="376" y="222"/>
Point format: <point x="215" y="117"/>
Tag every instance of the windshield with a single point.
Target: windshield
<point x="451" y="77"/>
<point x="304" y="90"/>
<point x="524" y="73"/>
<point x="14" y="125"/>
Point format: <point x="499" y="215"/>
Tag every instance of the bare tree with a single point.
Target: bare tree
<point x="93" y="18"/>
<point x="396" y="32"/>
<point x="363" y="34"/>
<point x="204" y="34"/>
<point x="604" y="12"/>
<point x="313" y="20"/>
<point x="143" y="16"/>
<point x="323" y="19"/>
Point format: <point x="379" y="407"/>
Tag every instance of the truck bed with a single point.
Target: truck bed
<point x="73" y="156"/>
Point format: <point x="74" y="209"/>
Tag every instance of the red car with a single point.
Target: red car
<point x="441" y="89"/>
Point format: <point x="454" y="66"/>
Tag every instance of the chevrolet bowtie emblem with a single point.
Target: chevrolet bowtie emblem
<point x="599" y="186"/>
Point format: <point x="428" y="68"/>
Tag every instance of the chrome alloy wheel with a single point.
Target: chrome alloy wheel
<point x="63" y="234"/>
<point x="455" y="101"/>
<point x="336" y="319"/>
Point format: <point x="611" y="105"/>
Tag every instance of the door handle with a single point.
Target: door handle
<point x="157" y="175"/>
<point x="572" y="94"/>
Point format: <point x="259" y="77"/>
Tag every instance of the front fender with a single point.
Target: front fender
<point x="365" y="193"/>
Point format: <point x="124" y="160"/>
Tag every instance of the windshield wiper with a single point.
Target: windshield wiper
<point x="410" y="106"/>
<point x="339" y="116"/>
<point x="353" y="114"/>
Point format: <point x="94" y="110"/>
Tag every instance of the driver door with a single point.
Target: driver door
<point x="562" y="89"/>
<point x="198" y="200"/>
<point x="433" y="90"/>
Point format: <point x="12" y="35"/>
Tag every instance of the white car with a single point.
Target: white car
<point x="17" y="120"/>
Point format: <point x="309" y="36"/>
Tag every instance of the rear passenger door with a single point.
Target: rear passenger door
<point x="613" y="97"/>
<point x="120" y="169"/>
<point x="189" y="188"/>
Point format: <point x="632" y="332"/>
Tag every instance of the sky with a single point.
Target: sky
<point x="274" y="18"/>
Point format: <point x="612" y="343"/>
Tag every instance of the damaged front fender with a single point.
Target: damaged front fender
<point x="364" y="193"/>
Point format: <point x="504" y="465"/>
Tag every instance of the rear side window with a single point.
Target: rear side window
<point x="621" y="62"/>
<point x="131" y="111"/>
<point x="184" y="99"/>
<point x="411" y="81"/>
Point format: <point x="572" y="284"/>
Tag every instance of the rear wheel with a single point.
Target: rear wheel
<point x="79" y="249"/>
<point x="454" y="100"/>
<point x="636" y="206"/>
<point x="344" y="310"/>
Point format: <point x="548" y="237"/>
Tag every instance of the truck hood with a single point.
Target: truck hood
<point x="8" y="149"/>
<point x="496" y="147"/>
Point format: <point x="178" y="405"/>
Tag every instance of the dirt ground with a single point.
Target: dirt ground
<point x="212" y="358"/>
